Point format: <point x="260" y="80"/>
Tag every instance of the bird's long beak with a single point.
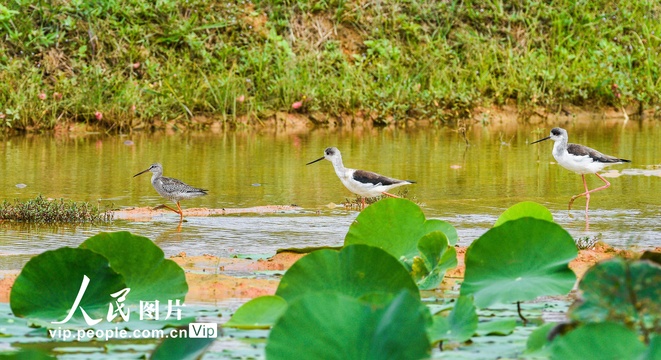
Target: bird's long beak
<point x="312" y="162"/>
<point x="535" y="142"/>
<point x="141" y="172"/>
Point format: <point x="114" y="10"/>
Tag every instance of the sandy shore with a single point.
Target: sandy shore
<point x="147" y="213"/>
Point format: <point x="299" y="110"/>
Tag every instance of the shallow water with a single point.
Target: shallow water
<point x="467" y="185"/>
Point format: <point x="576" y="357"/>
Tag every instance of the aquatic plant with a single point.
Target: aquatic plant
<point x="519" y="260"/>
<point x="42" y="210"/>
<point x="259" y="313"/>
<point x="586" y="242"/>
<point x="604" y="340"/>
<point x="367" y="301"/>
<point x="459" y="325"/>
<point x="524" y="209"/>
<point x="399" y="227"/>
<point x="356" y="271"/>
<point x="621" y="291"/>
<point x="119" y="272"/>
<point x="181" y="348"/>
<point x="364" y="298"/>
<point x="48" y="284"/>
<point x="335" y="326"/>
<point x="142" y="264"/>
<point x="619" y="299"/>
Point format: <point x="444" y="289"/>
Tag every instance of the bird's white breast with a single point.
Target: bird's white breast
<point x="580" y="164"/>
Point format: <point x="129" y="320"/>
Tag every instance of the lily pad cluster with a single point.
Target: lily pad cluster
<point x="619" y="300"/>
<point x="391" y="252"/>
<point x="424" y="246"/>
<point x="363" y="298"/>
<point x="49" y="283"/>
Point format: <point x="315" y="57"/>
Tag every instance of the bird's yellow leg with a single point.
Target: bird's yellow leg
<point x="181" y="213"/>
<point x="165" y="206"/>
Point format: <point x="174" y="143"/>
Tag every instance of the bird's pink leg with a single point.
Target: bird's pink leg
<point x="391" y="195"/>
<point x="587" y="192"/>
<point x="362" y="202"/>
<point x="601" y="187"/>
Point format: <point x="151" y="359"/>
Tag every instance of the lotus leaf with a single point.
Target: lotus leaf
<point x="524" y="209"/>
<point x="459" y="325"/>
<point x="182" y="348"/>
<point x="653" y="351"/>
<point x="259" y="313"/>
<point x="330" y="325"/>
<point x="538" y="339"/>
<point x="436" y="257"/>
<point x="396" y="226"/>
<point x="622" y="291"/>
<point x="496" y="327"/>
<point x="597" y="341"/>
<point x="519" y="260"/>
<point x="354" y="271"/>
<point x="49" y="283"/>
<point x="147" y="273"/>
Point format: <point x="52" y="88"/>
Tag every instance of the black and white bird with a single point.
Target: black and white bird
<point x="581" y="160"/>
<point x="171" y="189"/>
<point x="360" y="182"/>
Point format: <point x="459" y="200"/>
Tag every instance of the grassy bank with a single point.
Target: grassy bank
<point x="131" y="64"/>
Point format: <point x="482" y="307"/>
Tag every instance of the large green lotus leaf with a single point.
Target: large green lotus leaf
<point x="496" y="327"/>
<point x="597" y="341"/>
<point x="525" y="209"/>
<point x="518" y="261"/>
<point x="49" y="283"/>
<point x="354" y="271"/>
<point x="26" y="354"/>
<point x="621" y="291"/>
<point x="653" y="351"/>
<point x="149" y="275"/>
<point x="182" y="348"/>
<point x="259" y="313"/>
<point x="396" y="226"/>
<point x="435" y="258"/>
<point x="329" y="325"/>
<point x="538" y="340"/>
<point x="459" y="325"/>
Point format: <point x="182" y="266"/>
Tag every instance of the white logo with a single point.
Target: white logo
<point x="149" y="310"/>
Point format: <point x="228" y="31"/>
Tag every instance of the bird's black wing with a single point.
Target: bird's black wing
<point x="368" y="177"/>
<point x="580" y="150"/>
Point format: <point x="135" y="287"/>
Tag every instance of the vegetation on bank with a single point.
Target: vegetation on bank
<point x="131" y="64"/>
<point x="42" y="210"/>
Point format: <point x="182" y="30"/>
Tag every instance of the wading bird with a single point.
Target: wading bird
<point x="581" y="160"/>
<point x="360" y="182"/>
<point x="171" y="189"/>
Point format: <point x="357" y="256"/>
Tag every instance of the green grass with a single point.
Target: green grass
<point x="41" y="210"/>
<point x="141" y="65"/>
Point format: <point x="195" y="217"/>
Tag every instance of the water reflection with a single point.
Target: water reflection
<point x="467" y="185"/>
